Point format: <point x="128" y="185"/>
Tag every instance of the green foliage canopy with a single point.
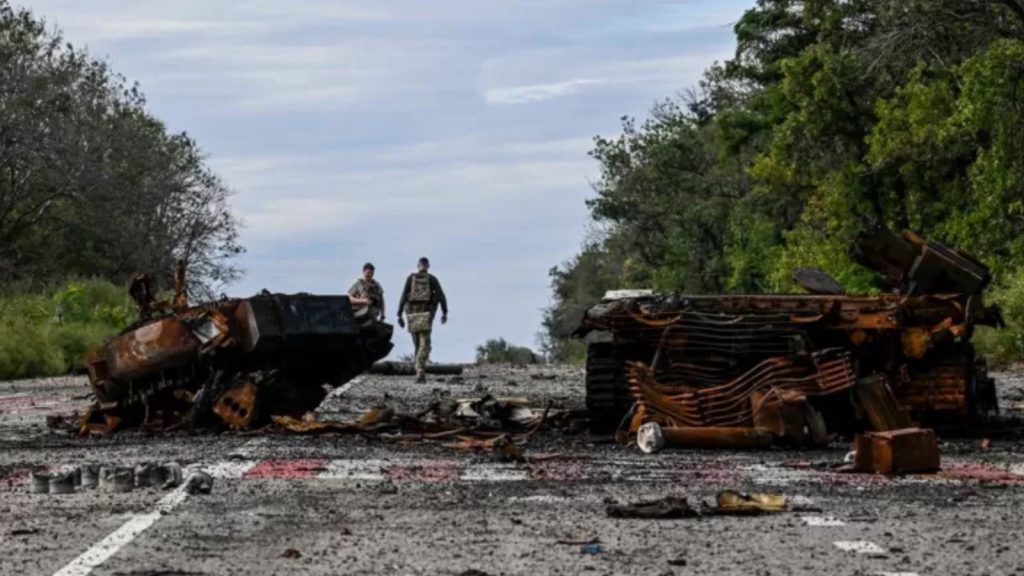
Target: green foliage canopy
<point x="90" y="183"/>
<point x="832" y="112"/>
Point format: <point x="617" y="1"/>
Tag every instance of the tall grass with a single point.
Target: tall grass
<point x="48" y="332"/>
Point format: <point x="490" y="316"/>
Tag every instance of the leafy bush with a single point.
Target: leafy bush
<point x="499" y="351"/>
<point x="49" y="332"/>
<point x="1005" y="345"/>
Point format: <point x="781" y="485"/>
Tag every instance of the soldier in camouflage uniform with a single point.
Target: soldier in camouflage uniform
<point x="368" y="293"/>
<point x="421" y="297"/>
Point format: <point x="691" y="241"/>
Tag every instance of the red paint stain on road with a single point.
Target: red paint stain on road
<point x="291" y="469"/>
<point x="978" y="472"/>
<point x="35" y="405"/>
<point x="14" y="479"/>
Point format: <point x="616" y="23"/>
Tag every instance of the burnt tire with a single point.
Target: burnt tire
<point x="608" y="399"/>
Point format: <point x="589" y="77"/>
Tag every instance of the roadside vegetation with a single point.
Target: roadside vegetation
<point x="49" y="332"/>
<point x="500" y="351"/>
<point x="831" y="113"/>
<point x="91" y="186"/>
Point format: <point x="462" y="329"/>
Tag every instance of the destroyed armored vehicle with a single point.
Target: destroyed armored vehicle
<point x="233" y="362"/>
<point x="807" y="367"/>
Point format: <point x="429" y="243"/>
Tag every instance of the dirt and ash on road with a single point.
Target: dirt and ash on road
<point x="394" y="504"/>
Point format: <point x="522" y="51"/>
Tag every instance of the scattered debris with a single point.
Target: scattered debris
<point x="668" y="508"/>
<point x="164" y="476"/>
<point x="62" y="482"/>
<point x="499" y="426"/>
<point x="90" y="475"/>
<point x="40" y="482"/>
<point x="24" y="531"/>
<point x="727" y="503"/>
<point x="650" y="438"/>
<point x="591" y="549"/>
<point x="910" y="450"/>
<point x="117" y="479"/>
<point x="732" y="503"/>
<point x="199" y="483"/>
<point x="655" y="437"/>
<point x="291" y="554"/>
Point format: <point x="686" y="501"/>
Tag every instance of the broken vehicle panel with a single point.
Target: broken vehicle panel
<point x="234" y="362"/>
<point x="804" y="366"/>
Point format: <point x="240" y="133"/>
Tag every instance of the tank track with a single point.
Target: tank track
<point x="607" y="390"/>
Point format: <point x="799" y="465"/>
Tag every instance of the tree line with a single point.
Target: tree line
<point x="831" y="113"/>
<point x="91" y="184"/>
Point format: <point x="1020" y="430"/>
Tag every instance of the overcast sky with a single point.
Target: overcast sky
<point x="384" y="130"/>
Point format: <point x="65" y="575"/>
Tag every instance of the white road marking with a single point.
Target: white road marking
<point x="822" y="521"/>
<point x="355" y="470"/>
<point x="118" y="539"/>
<point x="230" y="469"/>
<point x="542" y="498"/>
<point x="345" y="387"/>
<point x="248" y="450"/>
<point x="861" y="547"/>
<point x="100" y="552"/>
<point x="494" y="473"/>
<point x="897" y="574"/>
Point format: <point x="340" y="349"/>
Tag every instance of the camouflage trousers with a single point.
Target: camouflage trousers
<point x="421" y="342"/>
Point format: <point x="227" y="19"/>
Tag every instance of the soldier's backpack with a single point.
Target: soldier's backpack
<point x="419" y="291"/>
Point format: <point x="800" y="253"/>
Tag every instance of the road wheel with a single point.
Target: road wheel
<point x="608" y="397"/>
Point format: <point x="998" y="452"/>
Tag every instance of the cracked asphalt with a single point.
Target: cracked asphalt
<point x="347" y="504"/>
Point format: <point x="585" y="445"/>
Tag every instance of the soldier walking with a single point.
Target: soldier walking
<point x="420" y="299"/>
<point x="367" y="293"/>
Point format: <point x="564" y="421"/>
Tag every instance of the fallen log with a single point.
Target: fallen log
<point x="388" y="368"/>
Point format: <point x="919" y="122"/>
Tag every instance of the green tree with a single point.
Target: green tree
<point x="831" y="113"/>
<point x="92" y="185"/>
<point x="499" y="351"/>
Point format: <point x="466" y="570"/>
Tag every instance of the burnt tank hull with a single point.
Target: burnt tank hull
<point x="741" y="360"/>
<point x="234" y="362"/>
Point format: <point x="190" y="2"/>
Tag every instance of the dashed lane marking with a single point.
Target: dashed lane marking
<point x="822" y="521"/>
<point x="355" y="470"/>
<point x="103" y="550"/>
<point x="118" y="539"/>
<point x="345" y="387"/>
<point x="494" y="473"/>
<point x="861" y="547"/>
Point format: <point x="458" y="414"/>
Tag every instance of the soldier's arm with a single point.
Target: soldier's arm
<point x="354" y="290"/>
<point x="405" y="296"/>
<point x="382" y="309"/>
<point x="441" y="298"/>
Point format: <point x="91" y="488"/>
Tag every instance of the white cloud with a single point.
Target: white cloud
<point x="465" y="179"/>
<point x="538" y="92"/>
<point x="383" y="129"/>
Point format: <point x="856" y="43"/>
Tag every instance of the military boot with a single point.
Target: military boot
<point x="421" y="377"/>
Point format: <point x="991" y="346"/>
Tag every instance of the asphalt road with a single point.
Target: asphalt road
<point x="343" y="504"/>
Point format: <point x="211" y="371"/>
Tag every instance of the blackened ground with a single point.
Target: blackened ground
<point x="369" y="505"/>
